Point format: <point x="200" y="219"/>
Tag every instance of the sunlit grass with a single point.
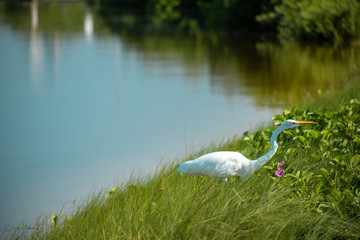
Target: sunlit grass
<point x="172" y="206"/>
<point x="318" y="197"/>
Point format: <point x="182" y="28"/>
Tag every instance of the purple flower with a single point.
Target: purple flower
<point x="280" y="172"/>
<point x="281" y="164"/>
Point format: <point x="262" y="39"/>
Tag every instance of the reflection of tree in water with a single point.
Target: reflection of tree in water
<point x="271" y="73"/>
<point x="299" y="71"/>
<point x="274" y="74"/>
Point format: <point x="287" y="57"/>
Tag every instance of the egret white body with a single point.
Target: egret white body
<point x="228" y="164"/>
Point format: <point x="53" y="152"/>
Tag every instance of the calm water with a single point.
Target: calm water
<point x="82" y="105"/>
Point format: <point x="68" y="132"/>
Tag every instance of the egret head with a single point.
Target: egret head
<point x="292" y="123"/>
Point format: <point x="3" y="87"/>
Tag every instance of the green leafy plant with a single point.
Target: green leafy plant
<point x="54" y="220"/>
<point x="334" y="184"/>
<point x="319" y="20"/>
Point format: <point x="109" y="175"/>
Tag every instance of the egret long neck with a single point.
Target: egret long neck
<point x="257" y="163"/>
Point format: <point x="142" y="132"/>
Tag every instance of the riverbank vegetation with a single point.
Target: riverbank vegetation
<point x="318" y="196"/>
<point x="331" y="21"/>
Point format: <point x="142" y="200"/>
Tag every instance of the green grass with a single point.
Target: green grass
<point x="318" y="197"/>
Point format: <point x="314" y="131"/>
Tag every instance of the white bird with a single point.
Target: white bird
<point x="226" y="164"/>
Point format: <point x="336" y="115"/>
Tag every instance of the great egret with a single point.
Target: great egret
<point x="228" y="164"/>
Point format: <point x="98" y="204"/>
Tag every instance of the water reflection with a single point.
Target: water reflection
<point x="287" y="74"/>
<point x="36" y="46"/>
<point x="270" y="73"/>
<point x="118" y="64"/>
<point x="88" y="24"/>
<point x="38" y="41"/>
<point x="34" y="14"/>
<point x="282" y="74"/>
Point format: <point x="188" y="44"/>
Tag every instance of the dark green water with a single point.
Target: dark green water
<point x="83" y="102"/>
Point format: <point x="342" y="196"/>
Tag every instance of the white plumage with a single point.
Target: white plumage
<point x="216" y="164"/>
<point x="228" y="164"/>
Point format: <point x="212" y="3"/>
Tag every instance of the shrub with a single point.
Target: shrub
<point x="320" y="20"/>
<point x="331" y="181"/>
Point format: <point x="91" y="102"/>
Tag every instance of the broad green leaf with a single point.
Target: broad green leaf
<point x="300" y="138"/>
<point x="278" y="122"/>
<point x="291" y="176"/>
<point x="318" y="187"/>
<point x="54" y="220"/>
<point x="324" y="172"/>
<point x="278" y="117"/>
<point x="314" y="133"/>
<point x="355" y="158"/>
<point x="325" y="134"/>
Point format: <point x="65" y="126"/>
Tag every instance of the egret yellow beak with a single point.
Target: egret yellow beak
<point x="305" y="122"/>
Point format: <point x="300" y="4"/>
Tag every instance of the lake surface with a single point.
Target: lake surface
<point x="83" y="103"/>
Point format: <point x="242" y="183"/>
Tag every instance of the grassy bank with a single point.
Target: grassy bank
<point x="318" y="197"/>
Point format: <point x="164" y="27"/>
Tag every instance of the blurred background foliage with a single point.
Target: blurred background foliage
<point x="255" y="65"/>
<point x="315" y="20"/>
<point x="331" y="21"/>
